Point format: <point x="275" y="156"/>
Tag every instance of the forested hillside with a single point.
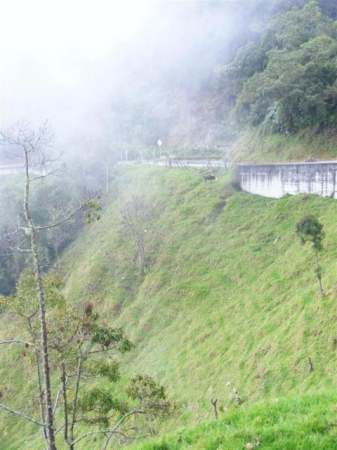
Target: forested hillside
<point x="286" y="80"/>
<point x="277" y="76"/>
<point x="49" y="197"/>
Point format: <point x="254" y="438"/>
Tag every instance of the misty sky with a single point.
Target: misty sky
<point x="66" y="60"/>
<point x="54" y="54"/>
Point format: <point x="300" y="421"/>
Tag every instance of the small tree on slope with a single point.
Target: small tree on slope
<point x="62" y="341"/>
<point x="84" y="352"/>
<point x="309" y="229"/>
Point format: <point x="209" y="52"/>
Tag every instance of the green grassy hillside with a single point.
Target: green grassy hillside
<point x="229" y="301"/>
<point x="256" y="146"/>
<point x="302" y="423"/>
<point x="230" y="296"/>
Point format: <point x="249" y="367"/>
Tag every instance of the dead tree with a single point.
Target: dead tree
<point x="32" y="144"/>
<point x="214" y="403"/>
<point x="83" y="348"/>
<point x="136" y="216"/>
<point x="65" y="341"/>
<point x="32" y="147"/>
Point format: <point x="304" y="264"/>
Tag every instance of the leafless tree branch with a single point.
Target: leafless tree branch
<point x="112" y="431"/>
<point x="61" y="221"/>
<point x="20" y="414"/>
<point x="59" y="391"/>
<point x="16" y="341"/>
<point x="119" y="423"/>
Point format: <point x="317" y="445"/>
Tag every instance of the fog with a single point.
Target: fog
<point x="86" y="65"/>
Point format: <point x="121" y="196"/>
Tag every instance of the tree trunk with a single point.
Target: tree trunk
<point x="75" y="402"/>
<point x="65" y="404"/>
<point x="43" y="343"/>
<point x="215" y="408"/>
<point x="319" y="273"/>
<point x="42" y="312"/>
<point x="41" y="394"/>
<point x="38" y="374"/>
<point x="107" y="179"/>
<point x="141" y="256"/>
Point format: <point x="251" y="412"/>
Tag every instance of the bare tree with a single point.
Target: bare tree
<point x="33" y="146"/>
<point x="83" y="351"/>
<point x="214" y="403"/>
<point x="136" y="216"/>
<point x="62" y="340"/>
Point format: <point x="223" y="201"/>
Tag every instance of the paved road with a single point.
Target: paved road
<point x="186" y="163"/>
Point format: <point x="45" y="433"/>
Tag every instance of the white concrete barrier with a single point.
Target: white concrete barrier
<point x="279" y="179"/>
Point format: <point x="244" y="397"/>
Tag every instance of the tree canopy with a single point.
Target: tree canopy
<point x="285" y="80"/>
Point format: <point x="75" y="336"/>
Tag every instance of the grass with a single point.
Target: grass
<point x="254" y="146"/>
<point x="230" y="296"/>
<point x="297" y="423"/>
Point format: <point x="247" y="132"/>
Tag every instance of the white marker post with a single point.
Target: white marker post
<point x="159" y="144"/>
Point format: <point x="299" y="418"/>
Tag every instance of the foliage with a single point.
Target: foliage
<point x="83" y="351"/>
<point x="293" y="423"/>
<point x="309" y="229"/>
<point x="143" y="387"/>
<point x="50" y="200"/>
<point x="136" y="217"/>
<point x="286" y="80"/>
<point x="152" y="396"/>
<point x="307" y="145"/>
<point x="93" y="209"/>
<point x="222" y="282"/>
<point x="229" y="297"/>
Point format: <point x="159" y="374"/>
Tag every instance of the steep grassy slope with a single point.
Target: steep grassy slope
<point x="253" y="145"/>
<point x="229" y="300"/>
<point x="230" y="295"/>
<point x="303" y="423"/>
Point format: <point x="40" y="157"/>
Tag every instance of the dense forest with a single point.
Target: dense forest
<point x="286" y="80"/>
<point x="283" y="78"/>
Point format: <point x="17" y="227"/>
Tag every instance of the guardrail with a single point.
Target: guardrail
<point x="184" y="163"/>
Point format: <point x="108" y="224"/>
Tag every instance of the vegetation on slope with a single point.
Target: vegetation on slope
<point x="286" y="81"/>
<point x="228" y="301"/>
<point x="48" y="199"/>
<point x="298" y="423"/>
<point x="278" y="78"/>
<point x="230" y="294"/>
<point x="281" y="82"/>
<point x="307" y="145"/>
<point x="275" y="70"/>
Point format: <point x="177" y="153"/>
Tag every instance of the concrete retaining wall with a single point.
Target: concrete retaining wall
<point x="277" y="180"/>
<point x="271" y="180"/>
